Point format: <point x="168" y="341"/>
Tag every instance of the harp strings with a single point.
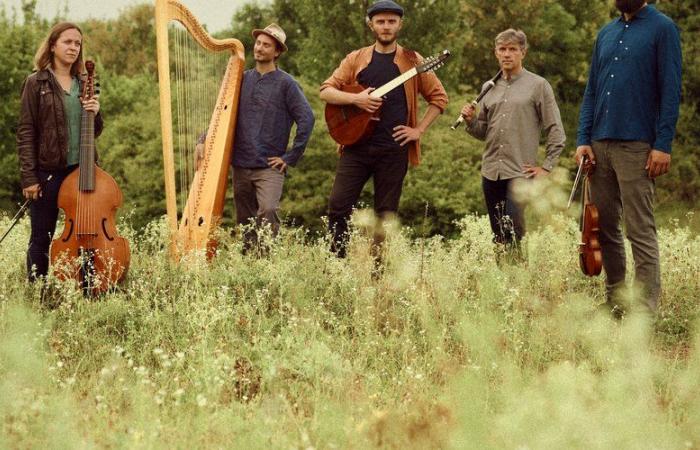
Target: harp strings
<point x="196" y="76"/>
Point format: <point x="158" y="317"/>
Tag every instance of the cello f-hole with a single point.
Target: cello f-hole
<point x="104" y="230"/>
<point x="70" y="231"/>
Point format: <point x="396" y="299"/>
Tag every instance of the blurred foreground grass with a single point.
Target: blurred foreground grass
<point x="301" y="350"/>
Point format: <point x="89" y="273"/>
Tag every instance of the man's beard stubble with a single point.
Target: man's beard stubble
<point x="379" y="39"/>
<point x="629" y="6"/>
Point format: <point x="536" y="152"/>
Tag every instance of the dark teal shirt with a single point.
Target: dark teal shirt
<point x="634" y="85"/>
<point x="74" y="111"/>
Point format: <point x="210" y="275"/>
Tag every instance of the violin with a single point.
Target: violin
<point x="89" y="250"/>
<point x="590" y="253"/>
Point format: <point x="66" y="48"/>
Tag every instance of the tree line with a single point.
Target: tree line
<point x="561" y="34"/>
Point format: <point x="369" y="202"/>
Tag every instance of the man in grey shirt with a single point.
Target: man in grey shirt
<point x="511" y="118"/>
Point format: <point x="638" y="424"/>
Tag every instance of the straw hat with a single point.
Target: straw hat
<point x="275" y="32"/>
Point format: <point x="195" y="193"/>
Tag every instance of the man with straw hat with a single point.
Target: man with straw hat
<point x="270" y="102"/>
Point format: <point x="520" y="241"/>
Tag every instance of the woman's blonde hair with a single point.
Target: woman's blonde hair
<point x="44" y="56"/>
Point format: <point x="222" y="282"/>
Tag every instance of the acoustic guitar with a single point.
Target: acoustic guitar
<point x="349" y="124"/>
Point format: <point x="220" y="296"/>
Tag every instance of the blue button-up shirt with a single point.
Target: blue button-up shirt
<point x="269" y="104"/>
<point x="634" y="85"/>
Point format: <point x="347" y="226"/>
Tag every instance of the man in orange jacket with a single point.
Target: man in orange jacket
<point x="395" y="141"/>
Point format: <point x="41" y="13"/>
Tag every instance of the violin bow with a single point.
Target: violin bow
<point x="16" y="218"/>
<point x="576" y="181"/>
<point x="19" y="214"/>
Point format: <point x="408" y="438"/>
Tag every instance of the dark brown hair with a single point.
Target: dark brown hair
<point x="44" y="56"/>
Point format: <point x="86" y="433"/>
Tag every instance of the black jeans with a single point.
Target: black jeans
<point x="386" y="166"/>
<point x="505" y="213"/>
<point x="44" y="213"/>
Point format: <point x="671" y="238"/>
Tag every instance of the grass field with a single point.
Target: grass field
<point x="448" y="349"/>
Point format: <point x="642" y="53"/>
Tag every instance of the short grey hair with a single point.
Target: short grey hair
<point x="512" y="35"/>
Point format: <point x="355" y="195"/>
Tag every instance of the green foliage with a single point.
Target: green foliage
<point x="18" y="44"/>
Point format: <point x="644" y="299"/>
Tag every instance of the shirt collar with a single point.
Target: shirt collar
<point x="641" y="14"/>
<point x="515" y="78"/>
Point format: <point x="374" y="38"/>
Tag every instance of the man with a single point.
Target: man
<point x="395" y="142"/>
<point x="626" y="125"/>
<point x="270" y="101"/>
<point x="511" y="118"/>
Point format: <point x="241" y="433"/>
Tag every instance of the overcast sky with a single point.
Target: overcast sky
<point x="216" y="14"/>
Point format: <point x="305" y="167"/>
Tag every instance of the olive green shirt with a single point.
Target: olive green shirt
<point x="511" y="118"/>
<point x="74" y="111"/>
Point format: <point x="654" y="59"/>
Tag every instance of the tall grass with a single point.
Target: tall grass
<point x="302" y="350"/>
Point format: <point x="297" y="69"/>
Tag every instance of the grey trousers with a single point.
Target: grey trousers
<point x="257" y="194"/>
<point x="622" y="190"/>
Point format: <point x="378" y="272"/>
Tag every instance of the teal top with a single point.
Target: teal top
<point x="74" y="111"/>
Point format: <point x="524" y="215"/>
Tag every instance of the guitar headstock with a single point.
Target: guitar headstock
<point x="434" y="62"/>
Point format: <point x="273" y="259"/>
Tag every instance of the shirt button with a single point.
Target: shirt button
<point x="616" y="58"/>
<point x="612" y="75"/>
<point x="504" y="115"/>
<point x="627" y="26"/>
<point x="501" y="131"/>
<point x="501" y="145"/>
<point x="505" y="100"/>
<point x="627" y="48"/>
<point x="500" y="160"/>
<point x="608" y="92"/>
<point x="620" y="42"/>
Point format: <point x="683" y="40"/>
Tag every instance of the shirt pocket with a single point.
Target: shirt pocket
<point x="47" y="107"/>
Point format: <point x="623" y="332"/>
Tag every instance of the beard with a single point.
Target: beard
<point x="629" y="6"/>
<point x="383" y="41"/>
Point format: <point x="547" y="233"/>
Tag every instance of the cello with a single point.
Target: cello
<point x="89" y="249"/>
<point x="589" y="250"/>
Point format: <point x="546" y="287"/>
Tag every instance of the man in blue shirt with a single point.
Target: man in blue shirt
<point x="270" y="102"/>
<point x="626" y="126"/>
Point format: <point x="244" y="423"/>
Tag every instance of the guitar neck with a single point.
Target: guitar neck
<point x="393" y="84"/>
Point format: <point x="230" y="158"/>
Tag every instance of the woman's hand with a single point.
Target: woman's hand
<point x="32" y="192"/>
<point x="92" y="105"/>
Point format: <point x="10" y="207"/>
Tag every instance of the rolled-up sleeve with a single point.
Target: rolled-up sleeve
<point x="432" y="90"/>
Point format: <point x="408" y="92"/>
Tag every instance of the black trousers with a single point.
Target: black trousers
<point x="43" y="213"/>
<point x="357" y="164"/>
<point x="505" y="213"/>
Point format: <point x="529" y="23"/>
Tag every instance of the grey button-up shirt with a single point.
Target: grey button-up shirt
<point x="511" y="118"/>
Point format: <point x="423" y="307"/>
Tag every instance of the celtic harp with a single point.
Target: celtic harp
<point x="199" y="81"/>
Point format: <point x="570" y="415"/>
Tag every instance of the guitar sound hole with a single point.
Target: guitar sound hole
<point x="201" y="221"/>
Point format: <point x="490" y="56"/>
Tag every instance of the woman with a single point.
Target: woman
<point x="48" y="135"/>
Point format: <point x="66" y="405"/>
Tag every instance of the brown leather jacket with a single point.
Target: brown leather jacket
<point x="42" y="132"/>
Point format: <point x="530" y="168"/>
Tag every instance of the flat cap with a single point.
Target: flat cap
<point x="384" y="6"/>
